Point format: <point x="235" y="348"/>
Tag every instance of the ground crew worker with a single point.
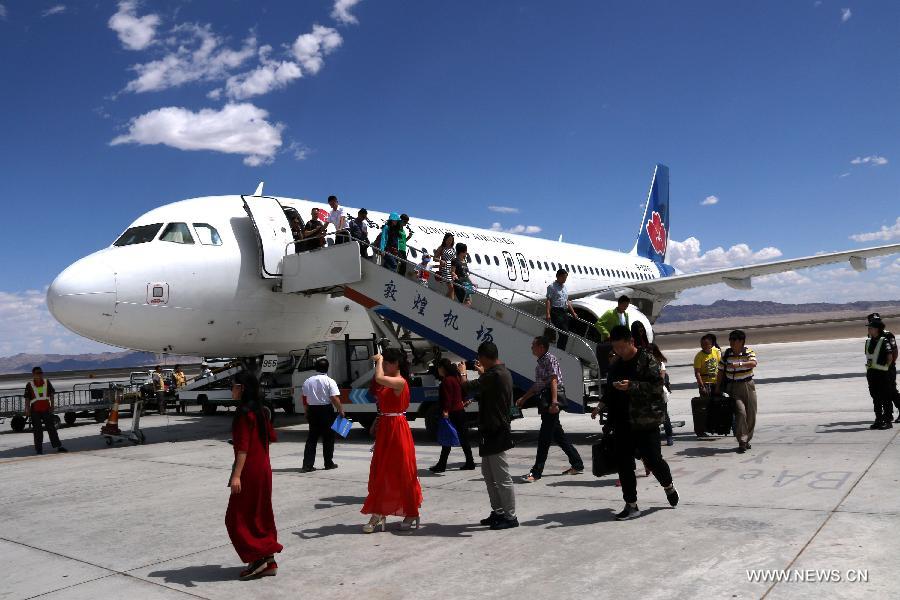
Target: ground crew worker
<point x="736" y="376"/>
<point x="611" y="318"/>
<point x="180" y="380"/>
<point x="881" y="357"/>
<point x="559" y="308"/>
<point x="39" y="406"/>
<point x="159" y="386"/>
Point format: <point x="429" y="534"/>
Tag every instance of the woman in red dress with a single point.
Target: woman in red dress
<point x="393" y="476"/>
<point x="249" y="518"/>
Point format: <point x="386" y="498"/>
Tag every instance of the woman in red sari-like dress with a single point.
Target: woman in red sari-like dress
<point x="393" y="476"/>
<point x="249" y="518"/>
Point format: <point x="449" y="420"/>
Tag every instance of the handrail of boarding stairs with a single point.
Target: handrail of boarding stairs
<point x="588" y="350"/>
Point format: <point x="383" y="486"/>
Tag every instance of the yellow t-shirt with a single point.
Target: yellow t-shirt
<point x="708" y="364"/>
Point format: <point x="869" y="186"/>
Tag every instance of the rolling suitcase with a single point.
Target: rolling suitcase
<point x="699" y="408"/>
<point x="719" y="415"/>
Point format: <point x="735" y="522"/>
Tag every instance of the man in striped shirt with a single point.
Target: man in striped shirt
<point x="736" y="377"/>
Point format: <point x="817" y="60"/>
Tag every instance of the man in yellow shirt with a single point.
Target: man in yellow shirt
<point x="706" y="364"/>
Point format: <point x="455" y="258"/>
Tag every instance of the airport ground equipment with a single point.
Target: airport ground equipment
<point x="425" y="309"/>
<point x="111" y="432"/>
<point x="87" y="400"/>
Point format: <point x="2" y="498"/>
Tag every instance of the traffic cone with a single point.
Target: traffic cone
<point x="112" y="422"/>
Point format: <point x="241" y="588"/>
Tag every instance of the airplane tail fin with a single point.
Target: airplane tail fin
<point x="653" y="236"/>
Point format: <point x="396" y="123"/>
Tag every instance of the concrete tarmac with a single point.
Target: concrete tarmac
<point x="817" y="495"/>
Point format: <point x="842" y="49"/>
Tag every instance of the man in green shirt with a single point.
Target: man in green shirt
<point x="611" y="318"/>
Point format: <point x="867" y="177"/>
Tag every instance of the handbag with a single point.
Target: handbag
<point x="545" y="398"/>
<point x="603" y="456"/>
<point x="447" y="434"/>
<point x="341" y="426"/>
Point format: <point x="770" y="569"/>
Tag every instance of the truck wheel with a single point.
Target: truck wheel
<point x="70" y="418"/>
<point x="432" y="415"/>
<point x="17" y="423"/>
<point x="57" y="422"/>
<point x="101" y="415"/>
<point x="289" y="408"/>
<point x="209" y="409"/>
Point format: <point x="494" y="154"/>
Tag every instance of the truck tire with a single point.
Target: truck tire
<point x="70" y="417"/>
<point x="209" y="409"/>
<point x="57" y="422"/>
<point x="101" y="415"/>
<point x="17" y="423"/>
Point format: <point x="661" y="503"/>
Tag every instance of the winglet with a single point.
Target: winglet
<point x="259" y="189"/>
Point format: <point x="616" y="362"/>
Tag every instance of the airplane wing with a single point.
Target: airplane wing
<point x="740" y="277"/>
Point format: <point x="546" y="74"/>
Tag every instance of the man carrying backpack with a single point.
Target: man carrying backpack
<point x="637" y="406"/>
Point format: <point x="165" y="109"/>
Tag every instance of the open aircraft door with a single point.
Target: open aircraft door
<point x="273" y="232"/>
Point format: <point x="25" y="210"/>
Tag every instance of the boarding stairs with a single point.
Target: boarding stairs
<point x="426" y="310"/>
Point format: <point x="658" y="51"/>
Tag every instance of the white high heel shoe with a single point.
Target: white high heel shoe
<point x="373" y="523"/>
<point x="408" y="523"/>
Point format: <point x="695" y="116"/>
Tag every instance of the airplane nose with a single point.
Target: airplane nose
<point x="83" y="297"/>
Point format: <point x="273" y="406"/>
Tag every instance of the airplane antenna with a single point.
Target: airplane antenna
<point x="560" y="238"/>
<point x="259" y="189"/>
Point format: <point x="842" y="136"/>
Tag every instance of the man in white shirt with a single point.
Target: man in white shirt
<point x="322" y="400"/>
<point x="337" y="218"/>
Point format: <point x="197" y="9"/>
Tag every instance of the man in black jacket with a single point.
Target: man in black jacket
<point x="493" y="391"/>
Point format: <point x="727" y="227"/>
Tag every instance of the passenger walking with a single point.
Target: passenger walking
<point x="359" y="230"/>
<point x="313" y="232"/>
<point x="736" y="378"/>
<point x="881" y="357"/>
<point x="249" y="518"/>
<point x="453" y="408"/>
<point x="403" y="236"/>
<point x="338" y="218"/>
<point x="462" y="283"/>
<point x="422" y="271"/>
<point x="445" y="254"/>
<point x="390" y="242"/>
<point x="394" y="487"/>
<point x="39" y="397"/>
<point x="493" y="391"/>
<point x="322" y="403"/>
<point x="611" y="318"/>
<point x="634" y="399"/>
<point x="639" y="335"/>
<point x="548" y="384"/>
<point x="667" y="390"/>
<point x="706" y="364"/>
<point x="559" y="308"/>
<point x="296" y="224"/>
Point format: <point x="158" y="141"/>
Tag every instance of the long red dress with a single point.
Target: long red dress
<point x="249" y="518"/>
<point x="393" y="476"/>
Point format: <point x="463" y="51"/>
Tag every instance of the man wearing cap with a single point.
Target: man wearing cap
<point x="359" y="230"/>
<point x="39" y="406"/>
<point x="881" y="370"/>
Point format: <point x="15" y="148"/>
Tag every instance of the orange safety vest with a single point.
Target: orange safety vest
<point x="41" y="400"/>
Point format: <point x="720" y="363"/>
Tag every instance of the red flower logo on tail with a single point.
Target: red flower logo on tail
<point x="656" y="231"/>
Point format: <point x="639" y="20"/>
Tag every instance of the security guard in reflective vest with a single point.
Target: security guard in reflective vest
<point x="39" y="406"/>
<point x="881" y="370"/>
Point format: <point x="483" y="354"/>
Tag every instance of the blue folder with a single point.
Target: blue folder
<point x="341" y="426"/>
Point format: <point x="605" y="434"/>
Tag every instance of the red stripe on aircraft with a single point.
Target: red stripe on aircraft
<point x="355" y="296"/>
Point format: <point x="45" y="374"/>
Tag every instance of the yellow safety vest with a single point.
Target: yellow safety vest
<point x="872" y="358"/>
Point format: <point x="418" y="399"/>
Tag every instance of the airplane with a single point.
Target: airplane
<point x="201" y="276"/>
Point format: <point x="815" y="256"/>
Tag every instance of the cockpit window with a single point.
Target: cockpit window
<point x="178" y="233"/>
<point x="140" y="234"/>
<point x="207" y="234"/>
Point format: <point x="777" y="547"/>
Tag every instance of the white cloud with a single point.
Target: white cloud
<point x="235" y="129"/>
<point x="341" y="11"/>
<point x="54" y="10"/>
<point x="874" y="160"/>
<point x="521" y="229"/>
<point x="503" y="209"/>
<point x="885" y="234"/>
<point x="2" y="12"/>
<point x="688" y="257"/>
<point x="309" y="49"/>
<point x="709" y="201"/>
<point x="135" y="33"/>
<point x="196" y="54"/>
<point x="300" y="151"/>
<point x="27" y="326"/>
<point x="845" y="15"/>
<point x="270" y="75"/>
<point x="845" y="174"/>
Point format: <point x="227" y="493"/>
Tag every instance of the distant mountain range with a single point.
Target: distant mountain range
<point x="23" y="363"/>
<point x="743" y="308"/>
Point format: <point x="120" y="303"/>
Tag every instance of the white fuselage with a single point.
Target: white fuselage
<point x="210" y="300"/>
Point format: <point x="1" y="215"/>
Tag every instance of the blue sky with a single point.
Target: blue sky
<point x="441" y="109"/>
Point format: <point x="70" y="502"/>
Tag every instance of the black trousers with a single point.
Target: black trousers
<point x="320" y="418"/>
<point x="552" y="433"/>
<point x="401" y="264"/>
<point x="39" y="422"/>
<point x="559" y="318"/>
<point x="458" y="419"/>
<point x="627" y="445"/>
<point x="667" y="424"/>
<point x="603" y="351"/>
<point x="883" y="391"/>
